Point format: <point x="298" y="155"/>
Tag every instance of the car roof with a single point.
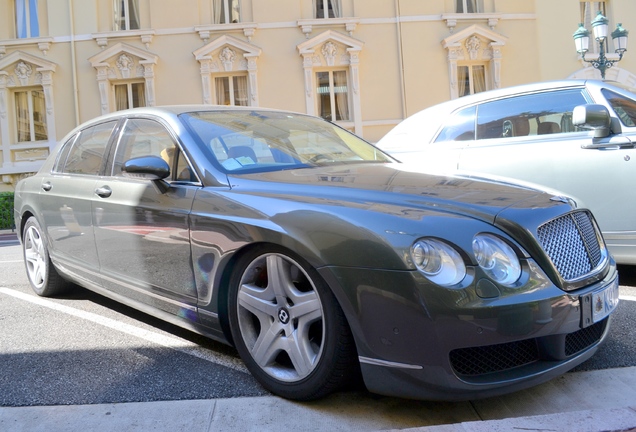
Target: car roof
<point x="436" y="114"/>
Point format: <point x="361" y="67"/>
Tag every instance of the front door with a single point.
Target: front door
<point x="142" y="233"/>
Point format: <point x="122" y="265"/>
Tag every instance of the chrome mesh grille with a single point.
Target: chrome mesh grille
<point x="572" y="244"/>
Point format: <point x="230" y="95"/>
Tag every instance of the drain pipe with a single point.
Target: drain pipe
<point x="398" y="23"/>
<point x="71" y="16"/>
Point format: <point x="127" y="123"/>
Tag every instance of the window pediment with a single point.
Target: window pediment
<point x="474" y="43"/>
<point x="227" y="54"/>
<point x="331" y="48"/>
<point x="22" y="69"/>
<point x="122" y="61"/>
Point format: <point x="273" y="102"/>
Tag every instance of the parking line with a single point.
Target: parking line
<point x="163" y="340"/>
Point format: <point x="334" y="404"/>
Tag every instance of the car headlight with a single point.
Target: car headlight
<point x="497" y="259"/>
<point x="438" y="261"/>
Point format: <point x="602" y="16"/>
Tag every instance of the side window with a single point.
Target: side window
<point x="144" y="137"/>
<point x="460" y="126"/>
<point x="126" y="13"/>
<point x="624" y="107"/>
<point x="26" y="18"/>
<point x="469" y="6"/>
<point x="227" y="11"/>
<point x="534" y="114"/>
<point x="87" y="154"/>
<point x="327" y="8"/>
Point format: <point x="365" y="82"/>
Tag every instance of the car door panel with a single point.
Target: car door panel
<point x="65" y="203"/>
<point x="144" y="245"/>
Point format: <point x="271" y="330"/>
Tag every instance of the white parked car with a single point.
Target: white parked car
<point x="573" y="136"/>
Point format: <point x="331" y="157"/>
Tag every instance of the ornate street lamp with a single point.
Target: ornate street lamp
<point x="600" y="29"/>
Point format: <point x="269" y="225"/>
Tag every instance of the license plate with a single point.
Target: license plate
<point x="598" y="305"/>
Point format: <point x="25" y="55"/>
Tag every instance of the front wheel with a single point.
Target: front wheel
<point x="44" y="279"/>
<point x="288" y="327"/>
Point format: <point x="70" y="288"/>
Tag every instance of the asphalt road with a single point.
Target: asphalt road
<point x="86" y="349"/>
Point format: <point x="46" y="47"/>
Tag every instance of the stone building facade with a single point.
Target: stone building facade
<point x="364" y="64"/>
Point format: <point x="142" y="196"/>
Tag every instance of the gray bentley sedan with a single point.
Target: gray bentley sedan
<point x="317" y="255"/>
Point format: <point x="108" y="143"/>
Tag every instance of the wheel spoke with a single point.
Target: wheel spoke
<point x="278" y="274"/>
<point x="301" y="353"/>
<point x="250" y="299"/>
<point x="307" y="306"/>
<point x="267" y="346"/>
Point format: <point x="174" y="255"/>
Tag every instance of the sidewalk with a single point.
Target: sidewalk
<point x="582" y="401"/>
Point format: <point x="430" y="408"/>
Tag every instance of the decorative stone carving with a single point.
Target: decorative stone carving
<point x="473" y="44"/>
<point x="227" y="56"/>
<point x="329" y="51"/>
<point x="23" y="71"/>
<point x="125" y="63"/>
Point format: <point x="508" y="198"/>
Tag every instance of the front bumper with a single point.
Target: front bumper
<point x="417" y="340"/>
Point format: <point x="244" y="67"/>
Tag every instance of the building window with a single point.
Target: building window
<point x="469" y="6"/>
<point x="30" y="116"/>
<point x="227" y="11"/>
<point x="471" y="79"/>
<point x="126" y="14"/>
<point x="231" y="90"/>
<point x="26" y="17"/>
<point x="332" y="95"/>
<point x="327" y="8"/>
<point x="129" y="95"/>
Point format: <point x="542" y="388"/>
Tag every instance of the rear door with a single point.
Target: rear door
<point x="66" y="198"/>
<point x="142" y="234"/>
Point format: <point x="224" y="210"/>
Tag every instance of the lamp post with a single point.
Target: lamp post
<point x="600" y="30"/>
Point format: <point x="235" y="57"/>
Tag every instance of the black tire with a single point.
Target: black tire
<point x="44" y="278"/>
<point x="288" y="327"/>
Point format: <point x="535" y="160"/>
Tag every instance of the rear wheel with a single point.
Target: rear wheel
<point x="44" y="279"/>
<point x="288" y="326"/>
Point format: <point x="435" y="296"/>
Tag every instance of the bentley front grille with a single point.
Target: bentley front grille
<point x="572" y="244"/>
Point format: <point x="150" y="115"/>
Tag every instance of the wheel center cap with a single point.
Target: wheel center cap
<point x="283" y="315"/>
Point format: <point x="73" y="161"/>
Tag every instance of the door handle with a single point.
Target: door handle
<point x="47" y="186"/>
<point x="103" y="192"/>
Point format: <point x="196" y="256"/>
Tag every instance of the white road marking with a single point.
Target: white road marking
<point x="163" y="340"/>
<point x="627" y="297"/>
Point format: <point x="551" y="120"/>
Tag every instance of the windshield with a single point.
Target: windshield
<point x="250" y="141"/>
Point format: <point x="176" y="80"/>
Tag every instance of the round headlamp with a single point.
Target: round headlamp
<point x="497" y="259"/>
<point x="438" y="261"/>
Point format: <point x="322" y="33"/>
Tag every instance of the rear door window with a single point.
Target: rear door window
<point x="527" y="115"/>
<point x="87" y="153"/>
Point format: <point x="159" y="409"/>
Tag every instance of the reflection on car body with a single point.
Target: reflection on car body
<point x="530" y="133"/>
<point x="317" y="255"/>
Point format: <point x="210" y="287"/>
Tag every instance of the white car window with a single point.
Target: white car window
<point x="533" y="114"/>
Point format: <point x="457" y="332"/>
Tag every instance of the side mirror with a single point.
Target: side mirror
<point x="148" y="168"/>
<point x="594" y="117"/>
